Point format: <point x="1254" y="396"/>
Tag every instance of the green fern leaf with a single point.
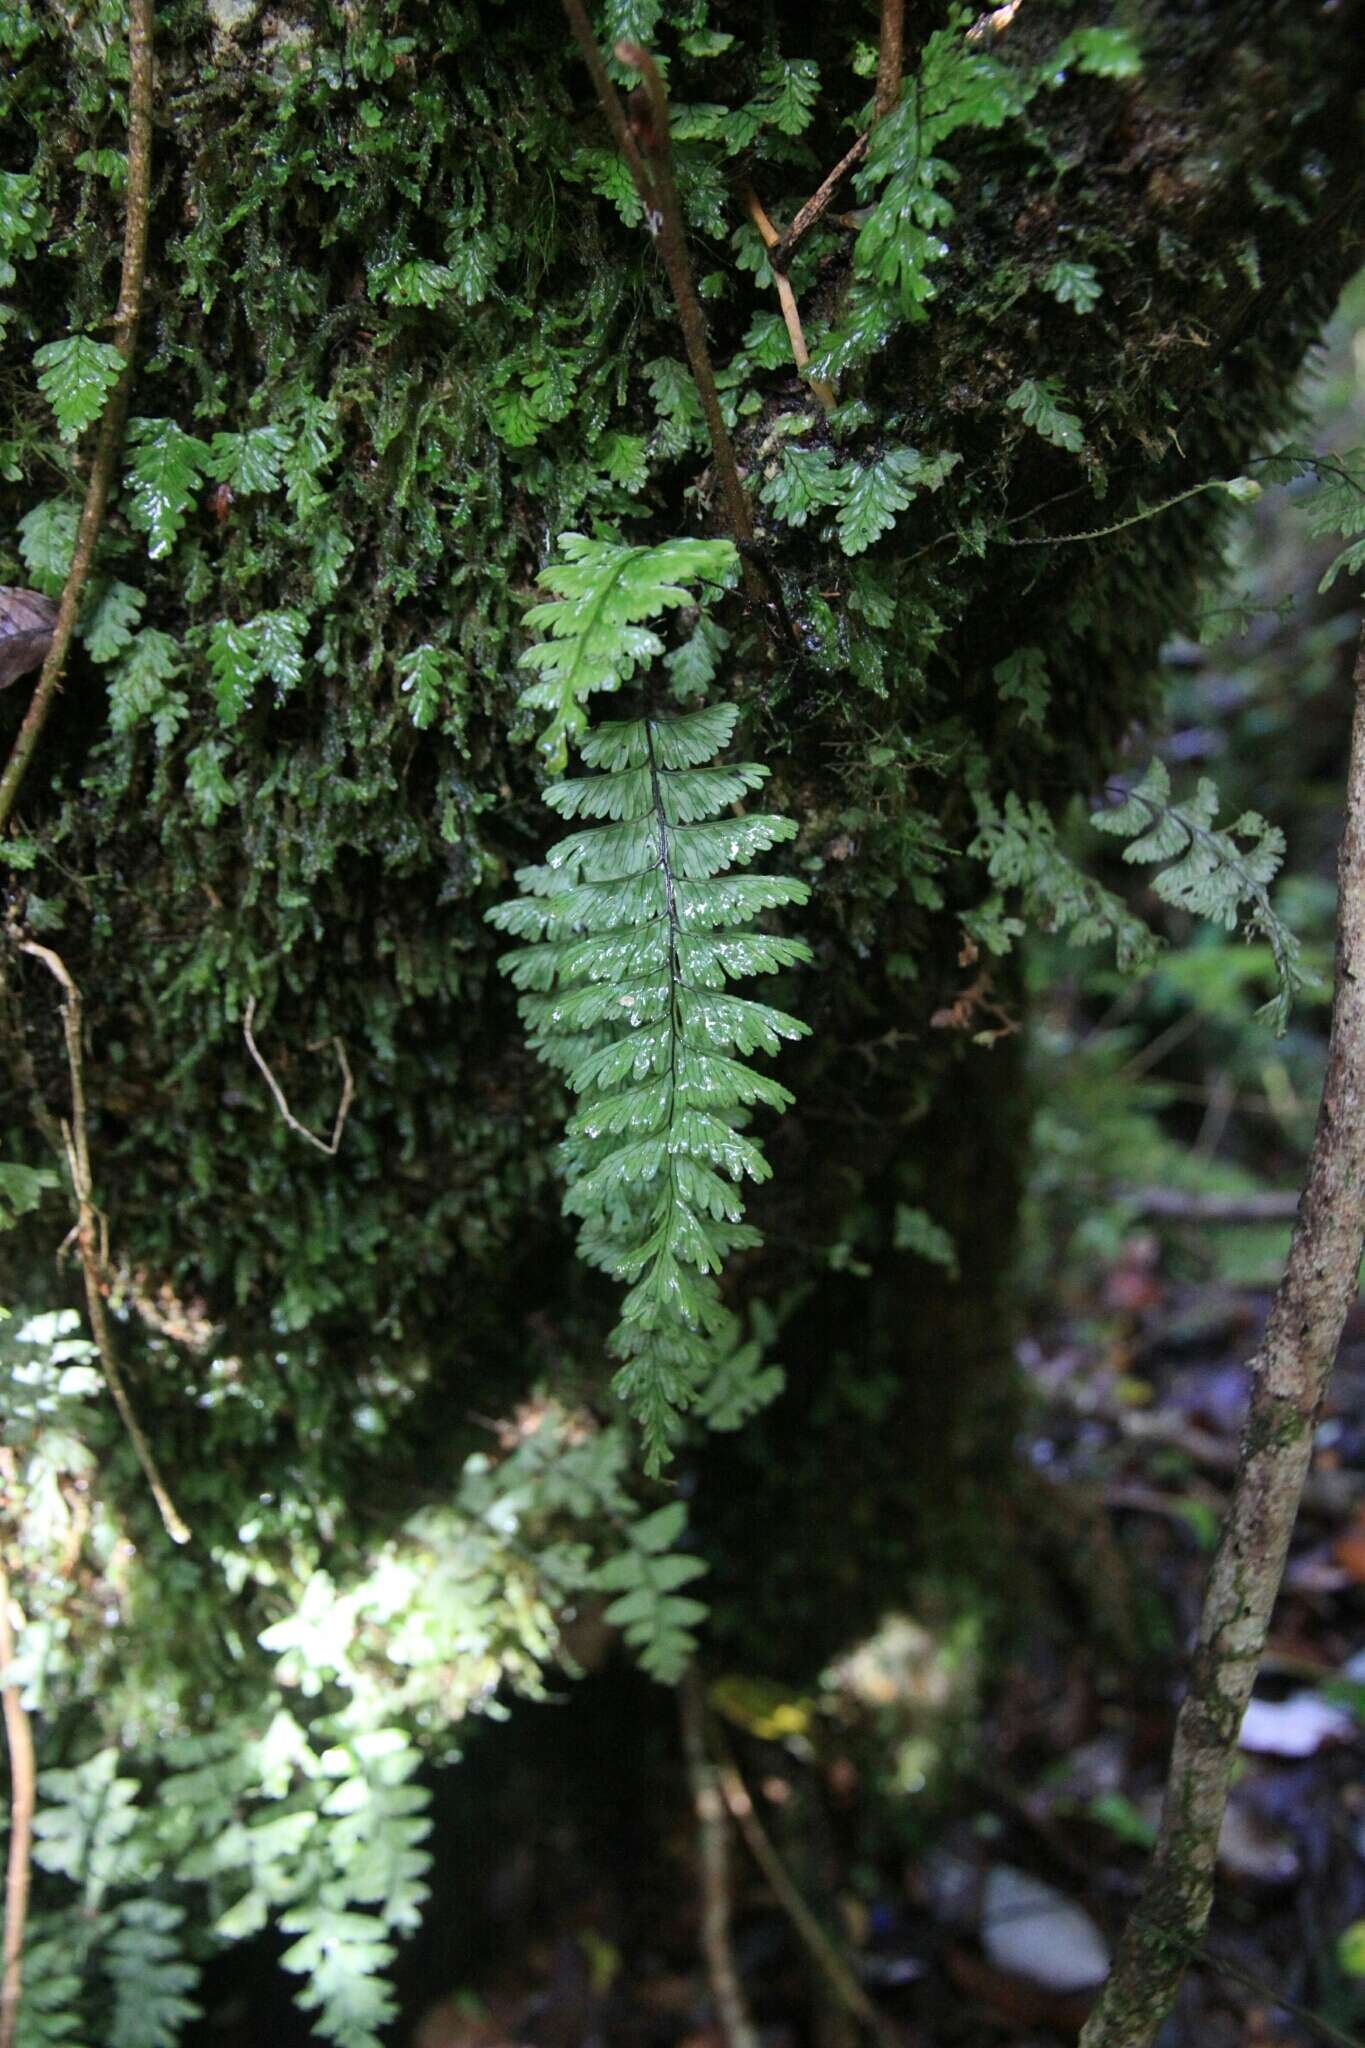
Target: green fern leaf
<point x="1222" y="874"/>
<point x="76" y="376"/>
<point x="596" y="639"/>
<point x="634" y="929"/>
<point x="163" y="477"/>
<point x="1039" y="399"/>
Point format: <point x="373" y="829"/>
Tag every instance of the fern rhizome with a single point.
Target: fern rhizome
<point x="635" y="926"/>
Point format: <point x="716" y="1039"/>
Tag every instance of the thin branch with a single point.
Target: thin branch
<point x="1186" y="1205"/>
<point x="890" y="57"/>
<point x="672" y="236"/>
<point x="786" y="297"/>
<point x="817" y="1943"/>
<point x="653" y="180"/>
<point x="732" y="2011"/>
<point x="22" y="1779"/>
<point x="88" y="1237"/>
<point x="1290" y="1376"/>
<point x="817" y="205"/>
<point x="609" y="99"/>
<point x="137" y="210"/>
<point x="328" y="1145"/>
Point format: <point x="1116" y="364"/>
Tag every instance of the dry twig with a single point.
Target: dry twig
<point x="816" y="206"/>
<point x="327" y="1145"/>
<point x="1290" y="1375"/>
<point x="732" y="2011"/>
<point x="651" y="170"/>
<point x="137" y="209"/>
<point x="89" y="1234"/>
<point x="818" y="1945"/>
<point x="22" y="1780"/>
<point x="786" y="297"/>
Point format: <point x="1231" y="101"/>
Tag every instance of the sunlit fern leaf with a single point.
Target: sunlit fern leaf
<point x="596" y="637"/>
<point x="634" y="930"/>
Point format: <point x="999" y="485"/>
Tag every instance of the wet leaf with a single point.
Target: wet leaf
<point x="26" y="622"/>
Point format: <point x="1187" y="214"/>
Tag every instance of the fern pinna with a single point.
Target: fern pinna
<point x="636" y="927"/>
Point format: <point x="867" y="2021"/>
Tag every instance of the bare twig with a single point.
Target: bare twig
<point x="890" y="56"/>
<point x="137" y="209"/>
<point x="1186" y="1205"/>
<point x="89" y="1228"/>
<point x="817" y="205"/>
<point x="651" y="171"/>
<point x="732" y="2011"/>
<point x="22" y="1778"/>
<point x="327" y="1145"/>
<point x="817" y="1943"/>
<point x="673" y="249"/>
<point x="1291" y="1372"/>
<point x="786" y="297"/>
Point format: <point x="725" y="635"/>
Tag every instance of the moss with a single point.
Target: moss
<point x="394" y="239"/>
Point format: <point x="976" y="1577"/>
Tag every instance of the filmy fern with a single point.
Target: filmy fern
<point x="596" y="636"/>
<point x="635" y="926"/>
<point x="1209" y="873"/>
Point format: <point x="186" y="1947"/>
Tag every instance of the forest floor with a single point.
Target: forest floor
<point x="971" y="1837"/>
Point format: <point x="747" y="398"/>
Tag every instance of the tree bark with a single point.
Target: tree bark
<point x="1289" y="1377"/>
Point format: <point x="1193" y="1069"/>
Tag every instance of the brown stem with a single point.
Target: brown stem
<point x="786" y="297"/>
<point x="88" y="1238"/>
<point x="609" y="99"/>
<point x="328" y="1145"/>
<point x="659" y="197"/>
<point x="22" y="1779"/>
<point x="667" y="222"/>
<point x="890" y="56"/>
<point x="732" y="2012"/>
<point x="818" y="1945"/>
<point x="819" y="203"/>
<point x="138" y="207"/>
<point x="1290" y="1375"/>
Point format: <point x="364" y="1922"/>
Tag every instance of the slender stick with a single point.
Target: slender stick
<point x="732" y="2011"/>
<point x="138" y="207"/>
<point x="653" y="180"/>
<point x="786" y="297"/>
<point x="88" y="1239"/>
<point x="672" y="236"/>
<point x="819" y="203"/>
<point x="328" y="1145"/>
<point x="890" y="57"/>
<point x="818" y="1945"/>
<point x="1290" y="1375"/>
<point x="22" y="1778"/>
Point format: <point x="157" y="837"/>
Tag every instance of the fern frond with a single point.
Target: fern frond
<point x="1210" y="874"/>
<point x="595" y="638"/>
<point x="634" y="929"/>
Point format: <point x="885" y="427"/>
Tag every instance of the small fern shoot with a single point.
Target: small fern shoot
<point x="1209" y="873"/>
<point x="634" y="927"/>
<point x="596" y="637"/>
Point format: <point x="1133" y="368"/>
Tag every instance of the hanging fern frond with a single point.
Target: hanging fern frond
<point x="635" y="929"/>
<point x="1210" y="874"/>
<point x="595" y="636"/>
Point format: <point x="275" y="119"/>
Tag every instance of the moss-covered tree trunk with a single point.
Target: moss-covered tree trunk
<point x="402" y="327"/>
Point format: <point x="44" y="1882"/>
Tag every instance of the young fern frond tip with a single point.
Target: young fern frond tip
<point x="633" y="929"/>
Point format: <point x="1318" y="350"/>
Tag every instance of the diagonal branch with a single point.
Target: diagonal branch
<point x="653" y="180"/>
<point x="138" y="208"/>
<point x="786" y="297"/>
<point x="1290" y="1375"/>
<point x="88" y="1234"/>
<point x="732" y="2012"/>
